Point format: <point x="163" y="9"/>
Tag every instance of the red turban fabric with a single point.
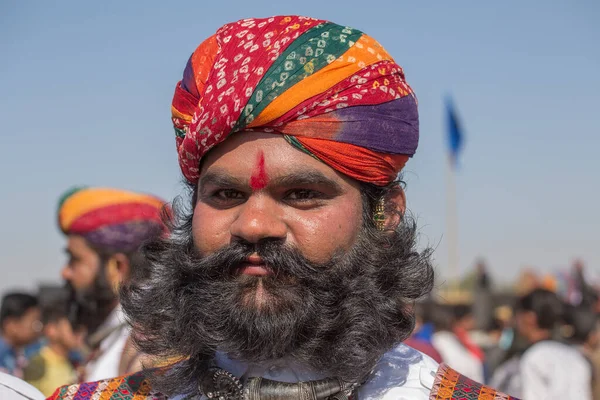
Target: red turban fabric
<point x="110" y="219"/>
<point x="330" y="90"/>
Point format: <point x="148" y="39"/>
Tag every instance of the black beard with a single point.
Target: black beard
<point x="90" y="307"/>
<point x="257" y="318"/>
<point x="337" y="318"/>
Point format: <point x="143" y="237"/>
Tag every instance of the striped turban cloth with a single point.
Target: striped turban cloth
<point x="330" y="90"/>
<point x="110" y="219"/>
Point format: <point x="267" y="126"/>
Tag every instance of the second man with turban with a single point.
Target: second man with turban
<point x="104" y="229"/>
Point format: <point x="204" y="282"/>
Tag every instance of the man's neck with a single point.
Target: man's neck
<point x="537" y="335"/>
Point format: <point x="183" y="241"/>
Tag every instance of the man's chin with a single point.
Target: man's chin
<point x="262" y="294"/>
<point x="257" y="296"/>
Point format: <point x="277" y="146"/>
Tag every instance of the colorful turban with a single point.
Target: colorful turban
<point x="330" y="90"/>
<point x="110" y="219"/>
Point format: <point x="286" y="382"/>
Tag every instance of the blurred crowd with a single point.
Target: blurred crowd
<point x="539" y="339"/>
<point x="536" y="335"/>
<point x="40" y="344"/>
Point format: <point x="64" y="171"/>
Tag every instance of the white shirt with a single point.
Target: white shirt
<point x="457" y="356"/>
<point x="111" y="348"/>
<point x="12" y="388"/>
<point x="402" y="374"/>
<point x="555" y="371"/>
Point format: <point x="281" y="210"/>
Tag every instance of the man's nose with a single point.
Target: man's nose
<point x="259" y="218"/>
<point x="66" y="273"/>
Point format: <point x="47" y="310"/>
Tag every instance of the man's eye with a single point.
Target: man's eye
<point x="303" y="195"/>
<point x="228" y="194"/>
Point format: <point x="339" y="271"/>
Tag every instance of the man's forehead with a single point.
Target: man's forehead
<point x="256" y="156"/>
<point x="245" y="162"/>
<point x="243" y="150"/>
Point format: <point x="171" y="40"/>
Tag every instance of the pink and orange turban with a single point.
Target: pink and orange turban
<point x="110" y="219"/>
<point x="330" y="90"/>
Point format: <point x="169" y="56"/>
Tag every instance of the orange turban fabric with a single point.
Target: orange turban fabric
<point x="110" y="219"/>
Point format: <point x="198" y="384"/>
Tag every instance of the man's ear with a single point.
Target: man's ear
<point x="529" y="318"/>
<point x="395" y="207"/>
<point x="118" y="270"/>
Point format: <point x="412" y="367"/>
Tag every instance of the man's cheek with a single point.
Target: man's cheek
<point x="210" y="230"/>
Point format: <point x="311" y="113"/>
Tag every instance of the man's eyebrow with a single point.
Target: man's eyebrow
<point x="302" y="178"/>
<point x="221" y="179"/>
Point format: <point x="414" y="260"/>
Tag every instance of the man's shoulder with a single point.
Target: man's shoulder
<point x="407" y="373"/>
<point x="16" y="389"/>
<point x="126" y="387"/>
<point x="450" y="385"/>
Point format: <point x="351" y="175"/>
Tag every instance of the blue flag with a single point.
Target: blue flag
<point x="455" y="133"/>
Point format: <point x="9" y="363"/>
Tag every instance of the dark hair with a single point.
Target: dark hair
<point x="546" y="306"/>
<point x="55" y="311"/>
<point x="442" y="317"/>
<point x="365" y="296"/>
<point x="583" y="323"/>
<point x="16" y="305"/>
<point x="461" y="311"/>
<point x="137" y="262"/>
<point x="424" y="310"/>
<point x="496" y="324"/>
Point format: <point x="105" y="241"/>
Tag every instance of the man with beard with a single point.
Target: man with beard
<point x="293" y="273"/>
<point x="104" y="229"/>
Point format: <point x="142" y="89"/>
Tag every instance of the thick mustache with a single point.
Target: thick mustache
<point x="278" y="257"/>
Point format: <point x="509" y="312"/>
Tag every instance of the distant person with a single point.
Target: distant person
<point x="452" y="341"/>
<point x="464" y="323"/>
<point x="584" y="329"/>
<point x="52" y="367"/>
<point x="20" y="326"/>
<point x="493" y="349"/>
<point x="483" y="309"/>
<point x="418" y="342"/>
<point x="585" y="334"/>
<point x="104" y="229"/>
<point x="504" y="363"/>
<point x="585" y="296"/>
<point x="550" y="369"/>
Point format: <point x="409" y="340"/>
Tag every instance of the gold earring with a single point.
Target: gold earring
<point x="379" y="214"/>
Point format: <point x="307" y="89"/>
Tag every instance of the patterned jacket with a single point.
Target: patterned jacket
<point x="448" y="385"/>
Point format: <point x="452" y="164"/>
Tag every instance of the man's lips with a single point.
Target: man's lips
<point x="255" y="270"/>
<point x="255" y="266"/>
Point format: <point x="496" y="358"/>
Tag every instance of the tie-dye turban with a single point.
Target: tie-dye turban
<point x="332" y="91"/>
<point x="110" y="219"/>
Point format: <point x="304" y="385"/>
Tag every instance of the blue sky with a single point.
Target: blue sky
<point x="85" y="91"/>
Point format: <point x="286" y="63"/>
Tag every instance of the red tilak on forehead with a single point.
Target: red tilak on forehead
<point x="259" y="178"/>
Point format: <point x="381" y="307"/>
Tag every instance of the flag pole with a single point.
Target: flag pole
<point x="452" y="228"/>
<point x="455" y="144"/>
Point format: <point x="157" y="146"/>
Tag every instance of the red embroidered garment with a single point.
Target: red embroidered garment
<point x="448" y="385"/>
